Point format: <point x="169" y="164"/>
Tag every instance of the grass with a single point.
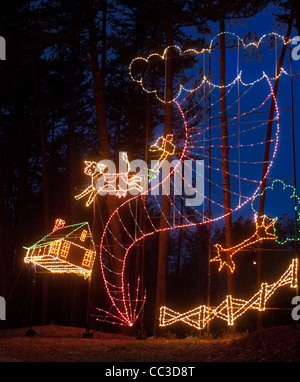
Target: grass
<point x="63" y="344"/>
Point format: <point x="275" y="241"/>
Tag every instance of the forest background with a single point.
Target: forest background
<point x="67" y="96"/>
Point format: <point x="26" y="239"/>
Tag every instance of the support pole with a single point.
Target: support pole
<point x="294" y="162"/>
<point x="209" y="191"/>
<point x="88" y="333"/>
<point x="266" y="157"/>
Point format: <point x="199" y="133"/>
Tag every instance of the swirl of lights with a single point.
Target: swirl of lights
<point x="202" y="141"/>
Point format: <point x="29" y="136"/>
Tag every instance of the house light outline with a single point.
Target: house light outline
<point x="54" y="261"/>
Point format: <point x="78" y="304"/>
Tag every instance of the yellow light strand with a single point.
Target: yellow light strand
<point x="96" y="170"/>
<point x="261" y="233"/>
<point x="83" y="235"/>
<point x="166" y="147"/>
<point x="59" y="223"/>
<point x="65" y="249"/>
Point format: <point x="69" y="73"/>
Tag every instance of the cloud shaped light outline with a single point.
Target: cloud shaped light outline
<point x="204" y="78"/>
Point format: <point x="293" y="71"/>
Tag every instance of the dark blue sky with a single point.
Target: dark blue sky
<point x="283" y="166"/>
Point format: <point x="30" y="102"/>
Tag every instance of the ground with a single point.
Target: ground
<point x="65" y="344"/>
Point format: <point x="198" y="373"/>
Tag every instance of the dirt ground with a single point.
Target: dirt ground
<point x="65" y="344"/>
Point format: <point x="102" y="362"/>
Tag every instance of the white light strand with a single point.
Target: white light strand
<point x="231" y="308"/>
<point x="204" y="78"/>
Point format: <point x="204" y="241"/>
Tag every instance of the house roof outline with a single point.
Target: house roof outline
<point x="53" y="236"/>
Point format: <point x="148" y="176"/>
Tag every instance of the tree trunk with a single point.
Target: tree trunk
<point x="72" y="157"/>
<point x="104" y="144"/>
<point x="141" y="249"/>
<point x="178" y="259"/>
<point x="266" y="159"/>
<point x="74" y="286"/>
<point x="225" y="151"/>
<point x="43" y="150"/>
<point x="45" y="279"/>
<point x="162" y="266"/>
<point x="7" y="253"/>
<point x="296" y="8"/>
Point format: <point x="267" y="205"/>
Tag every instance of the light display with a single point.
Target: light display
<point x="93" y="170"/>
<point x="200" y="122"/>
<point x="127" y="180"/>
<point x="83" y="235"/>
<point x="231" y="308"/>
<point x="67" y="249"/>
<point x="193" y="52"/>
<point x="70" y="249"/>
<point x="105" y="182"/>
<point x="59" y="223"/>
<point x="166" y="148"/>
<point x="290" y="192"/>
<point x="262" y="232"/>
